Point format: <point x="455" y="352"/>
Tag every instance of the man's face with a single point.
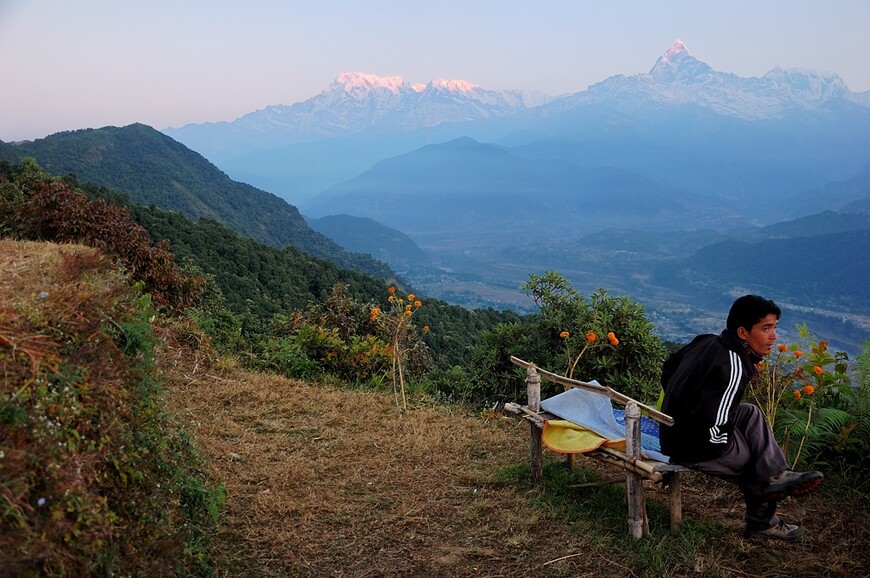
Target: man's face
<point x="762" y="337"/>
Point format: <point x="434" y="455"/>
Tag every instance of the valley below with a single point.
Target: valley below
<point x="680" y="302"/>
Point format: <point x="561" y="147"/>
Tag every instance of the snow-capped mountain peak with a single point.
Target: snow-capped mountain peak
<point x="676" y="51"/>
<point x="453" y="85"/>
<point x="356" y="101"/>
<point x="678" y="78"/>
<point x="677" y="65"/>
<point x="812" y="85"/>
<point x="360" y="83"/>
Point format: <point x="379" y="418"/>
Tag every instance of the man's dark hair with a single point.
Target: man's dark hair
<point x="748" y="310"/>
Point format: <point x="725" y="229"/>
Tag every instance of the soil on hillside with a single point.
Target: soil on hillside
<point x="324" y="481"/>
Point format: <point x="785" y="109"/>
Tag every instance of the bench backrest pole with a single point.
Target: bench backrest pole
<point x="605" y="391"/>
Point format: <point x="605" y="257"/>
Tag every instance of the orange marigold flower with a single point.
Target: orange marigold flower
<point x="408" y="307"/>
<point x="409" y="313"/>
<point x="809" y="389"/>
<point x="425" y="329"/>
<point x="612" y="338"/>
<point x="817" y="369"/>
<point x="375" y="312"/>
<point x="782" y="347"/>
<point x="760" y="365"/>
<point x="390" y="298"/>
<point x="418" y="303"/>
<point x="797" y="394"/>
<point x="391" y="290"/>
<point x="565" y="334"/>
<point x="410" y="296"/>
<point x="798" y="353"/>
<point x="590" y="337"/>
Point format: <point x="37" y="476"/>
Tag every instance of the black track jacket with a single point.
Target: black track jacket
<point x="703" y="384"/>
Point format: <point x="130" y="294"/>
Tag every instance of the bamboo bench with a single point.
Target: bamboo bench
<point x="637" y="469"/>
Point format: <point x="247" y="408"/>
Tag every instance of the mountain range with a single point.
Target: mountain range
<point x="355" y="103"/>
<point x="678" y="158"/>
<point x="678" y="78"/>
<point x="682" y="124"/>
<point x="680" y="187"/>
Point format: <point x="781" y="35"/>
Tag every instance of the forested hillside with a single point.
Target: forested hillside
<point x="250" y="282"/>
<point x="788" y="267"/>
<point x="259" y="282"/>
<point x="153" y="169"/>
<point x="364" y="235"/>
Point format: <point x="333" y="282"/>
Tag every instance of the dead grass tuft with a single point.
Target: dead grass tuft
<point x="40" y="280"/>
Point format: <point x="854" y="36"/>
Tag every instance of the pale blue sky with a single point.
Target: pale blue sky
<point x="68" y="64"/>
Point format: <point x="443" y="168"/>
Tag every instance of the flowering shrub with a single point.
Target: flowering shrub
<point x="397" y="324"/>
<point x="629" y="360"/>
<point x="805" y="393"/>
<point x="589" y="341"/>
<point x="345" y="339"/>
<point x="337" y="337"/>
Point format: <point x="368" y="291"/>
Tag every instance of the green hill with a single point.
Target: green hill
<point x="252" y="276"/>
<point x="362" y="235"/>
<point x="788" y="266"/>
<point x="153" y="169"/>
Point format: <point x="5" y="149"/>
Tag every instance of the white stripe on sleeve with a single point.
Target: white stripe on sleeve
<point x="716" y="436"/>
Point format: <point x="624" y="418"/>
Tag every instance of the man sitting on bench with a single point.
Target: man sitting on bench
<point x="716" y="434"/>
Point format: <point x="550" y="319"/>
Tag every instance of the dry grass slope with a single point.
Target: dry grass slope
<point x="92" y="480"/>
<point x="332" y="482"/>
<point x="324" y="481"/>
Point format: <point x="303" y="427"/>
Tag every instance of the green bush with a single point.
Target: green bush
<point x="602" y="337"/>
<point x="286" y="356"/>
<point x="451" y="384"/>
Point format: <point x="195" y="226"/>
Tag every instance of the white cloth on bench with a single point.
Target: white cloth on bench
<point x="595" y="412"/>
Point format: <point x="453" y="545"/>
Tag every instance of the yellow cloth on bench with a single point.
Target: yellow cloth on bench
<point x="567" y="437"/>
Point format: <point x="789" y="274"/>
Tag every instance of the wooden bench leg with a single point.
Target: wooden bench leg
<point x="537" y="450"/>
<point x="675" y="500"/>
<point x="637" y="522"/>
<point x="638" y="526"/>
<point x="533" y="391"/>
